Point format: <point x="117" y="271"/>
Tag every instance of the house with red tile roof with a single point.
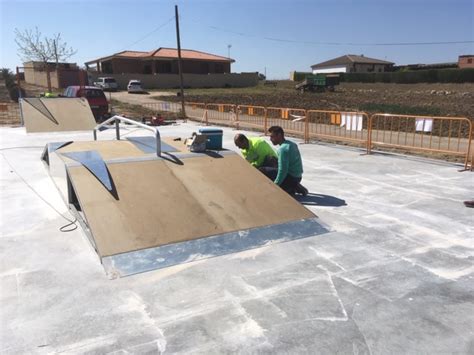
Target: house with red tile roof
<point x="161" y="61"/>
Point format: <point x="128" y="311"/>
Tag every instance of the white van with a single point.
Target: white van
<point x="106" y="83"/>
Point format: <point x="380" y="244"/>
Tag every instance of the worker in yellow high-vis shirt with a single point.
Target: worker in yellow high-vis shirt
<point x="256" y="151"/>
<point x="260" y="154"/>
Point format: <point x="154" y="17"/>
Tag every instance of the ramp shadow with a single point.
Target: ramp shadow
<point x="171" y="158"/>
<point x="114" y="191"/>
<point x="213" y="154"/>
<point x="321" y="200"/>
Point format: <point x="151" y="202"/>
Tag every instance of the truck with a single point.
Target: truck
<point x="106" y="83"/>
<point x="318" y="83"/>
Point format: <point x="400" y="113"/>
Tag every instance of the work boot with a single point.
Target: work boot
<point x="469" y="204"/>
<point x="300" y="189"/>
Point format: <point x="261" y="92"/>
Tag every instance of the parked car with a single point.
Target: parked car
<point x="106" y="84"/>
<point x="135" y="86"/>
<point x="95" y="96"/>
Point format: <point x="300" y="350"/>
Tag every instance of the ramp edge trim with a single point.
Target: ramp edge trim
<point x="143" y="260"/>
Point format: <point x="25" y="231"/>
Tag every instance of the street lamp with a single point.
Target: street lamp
<point x="228" y="50"/>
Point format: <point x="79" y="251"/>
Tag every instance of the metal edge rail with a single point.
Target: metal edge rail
<point x="118" y="119"/>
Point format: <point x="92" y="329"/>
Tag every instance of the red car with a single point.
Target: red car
<point x="95" y="96"/>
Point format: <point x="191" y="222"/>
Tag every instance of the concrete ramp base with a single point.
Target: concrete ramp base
<point x="56" y="114"/>
<point x="146" y="212"/>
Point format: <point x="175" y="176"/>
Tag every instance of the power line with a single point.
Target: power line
<point x="150" y="33"/>
<point x="274" y="39"/>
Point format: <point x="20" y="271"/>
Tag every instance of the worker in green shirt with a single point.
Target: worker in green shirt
<point x="290" y="166"/>
<point x="256" y="151"/>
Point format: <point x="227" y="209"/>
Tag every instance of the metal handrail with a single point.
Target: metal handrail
<point x="118" y="119"/>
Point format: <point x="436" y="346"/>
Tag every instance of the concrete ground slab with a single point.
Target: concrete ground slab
<point x="394" y="275"/>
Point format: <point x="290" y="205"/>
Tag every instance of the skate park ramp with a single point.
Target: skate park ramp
<point x="146" y="212"/>
<point x="56" y="114"/>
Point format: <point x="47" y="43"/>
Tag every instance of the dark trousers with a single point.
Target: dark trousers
<point x="290" y="184"/>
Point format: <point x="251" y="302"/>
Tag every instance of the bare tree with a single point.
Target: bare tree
<point x="33" y="46"/>
<point x="58" y="48"/>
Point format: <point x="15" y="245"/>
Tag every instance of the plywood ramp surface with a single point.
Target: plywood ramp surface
<point x="116" y="149"/>
<point x="107" y="149"/>
<point x="71" y="114"/>
<point x="161" y="202"/>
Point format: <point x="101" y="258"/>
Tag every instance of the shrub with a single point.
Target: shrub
<point x="5" y="72"/>
<point x="8" y="77"/>
<point x="14" y="93"/>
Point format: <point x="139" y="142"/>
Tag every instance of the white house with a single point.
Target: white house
<point x="351" y="63"/>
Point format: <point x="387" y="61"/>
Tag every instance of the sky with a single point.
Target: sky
<point x="275" y="37"/>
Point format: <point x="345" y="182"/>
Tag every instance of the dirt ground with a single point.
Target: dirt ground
<point x="423" y="99"/>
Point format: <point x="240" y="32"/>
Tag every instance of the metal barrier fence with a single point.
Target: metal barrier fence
<point x="163" y="106"/>
<point x="254" y="117"/>
<point x="9" y="114"/>
<point x="445" y="135"/>
<point x="224" y="114"/>
<point x="196" y="111"/>
<point x="292" y="120"/>
<point x="337" y="125"/>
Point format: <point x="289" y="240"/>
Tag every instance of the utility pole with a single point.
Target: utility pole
<point x="180" y="68"/>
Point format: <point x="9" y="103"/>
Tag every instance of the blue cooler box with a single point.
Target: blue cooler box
<point x="214" y="138"/>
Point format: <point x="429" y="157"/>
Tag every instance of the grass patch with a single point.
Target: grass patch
<point x="400" y="109"/>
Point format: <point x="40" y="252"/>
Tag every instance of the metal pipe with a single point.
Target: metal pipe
<point x="117" y="129"/>
<point x="158" y="142"/>
<point x="118" y="119"/>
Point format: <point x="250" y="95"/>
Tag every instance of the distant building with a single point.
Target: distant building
<point x="62" y="74"/>
<point x="161" y="61"/>
<point x="350" y="63"/>
<point x="466" y="61"/>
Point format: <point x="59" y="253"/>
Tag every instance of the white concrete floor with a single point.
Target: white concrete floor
<point x="394" y="275"/>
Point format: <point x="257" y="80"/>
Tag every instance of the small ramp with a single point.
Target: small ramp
<point x="171" y="210"/>
<point x="56" y="114"/>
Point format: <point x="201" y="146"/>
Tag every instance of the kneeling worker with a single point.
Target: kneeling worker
<point x="260" y="154"/>
<point x="256" y="151"/>
<point x="290" y="166"/>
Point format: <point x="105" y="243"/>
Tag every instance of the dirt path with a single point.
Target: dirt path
<point x="137" y="99"/>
